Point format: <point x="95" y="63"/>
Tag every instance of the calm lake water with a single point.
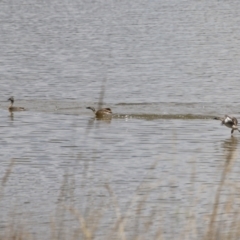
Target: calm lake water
<point x="165" y="68"/>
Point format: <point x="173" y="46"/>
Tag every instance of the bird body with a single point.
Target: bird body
<point x="230" y="122"/>
<point x="101" y="113"/>
<point x="12" y="108"/>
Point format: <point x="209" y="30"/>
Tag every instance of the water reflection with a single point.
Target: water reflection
<point x="99" y="120"/>
<point x="230" y="146"/>
<point x="91" y="121"/>
<point x="11" y="115"/>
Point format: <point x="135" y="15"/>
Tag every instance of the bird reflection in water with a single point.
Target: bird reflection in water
<point x="104" y="120"/>
<point x="11" y="116"/>
<point x="230" y="146"/>
<point x="99" y="120"/>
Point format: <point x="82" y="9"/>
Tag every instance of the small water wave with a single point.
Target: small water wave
<point x="144" y="110"/>
<point x="164" y="116"/>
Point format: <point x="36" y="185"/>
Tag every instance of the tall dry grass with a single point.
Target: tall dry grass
<point x="135" y="221"/>
<point x="132" y="223"/>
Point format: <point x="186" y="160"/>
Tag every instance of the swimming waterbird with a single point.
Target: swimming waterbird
<point x="12" y="108"/>
<point x="230" y="122"/>
<point x="101" y="113"/>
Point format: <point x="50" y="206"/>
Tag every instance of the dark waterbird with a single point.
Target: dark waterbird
<point x="230" y="122"/>
<point x="12" y="108"/>
<point x="101" y="113"/>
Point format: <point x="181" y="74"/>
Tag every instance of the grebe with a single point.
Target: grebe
<point x="11" y="108"/>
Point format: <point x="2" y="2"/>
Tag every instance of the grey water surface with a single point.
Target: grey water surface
<point x="165" y="68"/>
